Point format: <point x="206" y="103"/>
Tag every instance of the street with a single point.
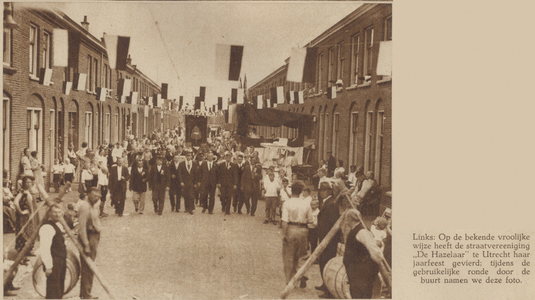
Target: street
<point x="183" y="256"/>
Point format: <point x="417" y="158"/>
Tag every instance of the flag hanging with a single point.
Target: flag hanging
<point x="300" y="97"/>
<point x="197" y="103"/>
<point x="302" y="66"/>
<point x="117" y="48"/>
<point x="239" y="85"/>
<point x="228" y="62"/>
<point x="234" y="96"/>
<point x="165" y="87"/>
<point x="240" y="96"/>
<point x="331" y="92"/>
<point x="384" y="61"/>
<point x="181" y="101"/>
<point x="277" y="94"/>
<point x="202" y="93"/>
<point x="259" y="101"/>
<point x="220" y="103"/>
<point x="60" y="45"/>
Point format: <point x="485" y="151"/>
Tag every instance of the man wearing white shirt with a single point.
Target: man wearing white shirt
<point x="53" y="253"/>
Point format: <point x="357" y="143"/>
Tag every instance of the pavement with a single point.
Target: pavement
<point x="183" y="256"/>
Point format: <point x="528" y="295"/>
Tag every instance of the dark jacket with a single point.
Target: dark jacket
<point x="174" y="182"/>
<point x="227" y="177"/>
<point x="116" y="185"/>
<point x="250" y="180"/>
<point x="208" y="178"/>
<point x="159" y="179"/>
<point x="191" y="177"/>
<point x="138" y="181"/>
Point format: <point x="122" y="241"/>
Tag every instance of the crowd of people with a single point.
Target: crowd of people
<point x="163" y="164"/>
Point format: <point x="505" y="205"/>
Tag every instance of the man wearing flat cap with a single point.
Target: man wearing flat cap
<point x="329" y="214"/>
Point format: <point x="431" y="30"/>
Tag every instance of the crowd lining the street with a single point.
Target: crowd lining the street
<point x="195" y="176"/>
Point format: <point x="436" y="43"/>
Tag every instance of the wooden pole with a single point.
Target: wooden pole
<point x="319" y="249"/>
<point x="22" y="253"/>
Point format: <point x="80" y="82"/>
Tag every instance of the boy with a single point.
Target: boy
<point x="306" y="195"/>
<point x="313" y="227"/>
<point x="57" y="170"/>
<point x="285" y="194"/>
<point x="271" y="188"/>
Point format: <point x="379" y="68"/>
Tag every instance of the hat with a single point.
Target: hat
<point x="325" y="185"/>
<point x="329" y="151"/>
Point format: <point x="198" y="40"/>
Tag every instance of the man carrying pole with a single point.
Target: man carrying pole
<point x="89" y="229"/>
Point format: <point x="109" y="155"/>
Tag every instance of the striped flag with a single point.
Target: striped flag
<point x="228" y="62"/>
<point x="302" y="66"/>
<point x="331" y="92"/>
<point x="300" y="97"/>
<point x="259" y="102"/>
<point x="234" y="96"/>
<point x="240" y="96"/>
<point x="277" y="94"/>
<point x="220" y="103"/>
<point x="117" y="48"/>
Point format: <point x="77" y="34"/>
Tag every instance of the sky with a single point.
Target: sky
<point x="174" y="42"/>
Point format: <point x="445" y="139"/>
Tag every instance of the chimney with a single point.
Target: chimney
<point x="129" y="60"/>
<point x="85" y="24"/>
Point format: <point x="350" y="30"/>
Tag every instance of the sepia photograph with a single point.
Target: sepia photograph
<point x="197" y="150"/>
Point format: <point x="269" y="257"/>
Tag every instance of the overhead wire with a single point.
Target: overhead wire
<point x="164" y="43"/>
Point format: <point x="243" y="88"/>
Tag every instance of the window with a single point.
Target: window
<point x="116" y="137"/>
<point x="368" y="52"/>
<point x="367" y="142"/>
<point x="6" y="131"/>
<point x="33" y="50"/>
<point x="355" y="45"/>
<point x="330" y="68"/>
<point x="340" y="64"/>
<point x="46" y="50"/>
<point x="388" y="28"/>
<point x="34" y="129"/>
<point x="106" y="76"/>
<point x="379" y="144"/>
<point x="89" y="73"/>
<point x="353" y="146"/>
<point x="95" y="74"/>
<point x="89" y="129"/>
<point x="8" y="46"/>
<point x="107" y="127"/>
<point x="320" y="72"/>
<point x="336" y="129"/>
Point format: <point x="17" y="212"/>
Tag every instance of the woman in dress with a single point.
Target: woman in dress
<point x="24" y="208"/>
<point x="26" y="167"/>
<point x="37" y="169"/>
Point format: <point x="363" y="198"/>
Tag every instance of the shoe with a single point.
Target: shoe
<point x="136" y="209"/>
<point x="103" y="215"/>
<point x="89" y="297"/>
<point x="120" y="215"/>
<point x="140" y="212"/>
<point x="24" y="263"/>
<point x="155" y="210"/>
<point x="9" y="294"/>
<point x="223" y="209"/>
<point x="252" y="215"/>
<point x="178" y="210"/>
<point x="247" y="211"/>
<point x="14" y="288"/>
<point x="315" y="263"/>
<point x="31" y="253"/>
<point x="303" y="282"/>
<point x="211" y="212"/>
<point x="203" y="210"/>
<point x="326" y="295"/>
<point x="191" y="212"/>
<point x="159" y="214"/>
<point x="228" y="214"/>
<point x="266" y="221"/>
<point x="321" y="288"/>
<point x="240" y="212"/>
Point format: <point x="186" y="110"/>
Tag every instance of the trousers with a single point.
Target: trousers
<point x="86" y="281"/>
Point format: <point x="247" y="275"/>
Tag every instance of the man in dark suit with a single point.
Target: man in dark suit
<point x="227" y="180"/>
<point x="159" y="183"/>
<point x="187" y="174"/>
<point x="250" y="185"/>
<point x="175" y="191"/>
<point x="331" y="164"/>
<point x="208" y="175"/>
<point x="238" y="197"/>
<point x="327" y="217"/>
<point x="117" y="185"/>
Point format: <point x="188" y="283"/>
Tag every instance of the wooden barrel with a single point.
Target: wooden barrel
<point x="335" y="278"/>
<point x="71" y="276"/>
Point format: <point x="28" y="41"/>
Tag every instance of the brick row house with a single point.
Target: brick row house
<point x="45" y="108"/>
<point x="356" y="125"/>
